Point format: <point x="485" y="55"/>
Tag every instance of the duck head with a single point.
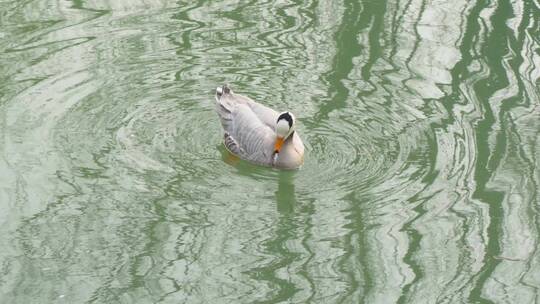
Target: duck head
<point x="285" y="126"/>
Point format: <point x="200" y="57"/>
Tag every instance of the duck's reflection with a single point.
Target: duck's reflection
<point x="285" y="194"/>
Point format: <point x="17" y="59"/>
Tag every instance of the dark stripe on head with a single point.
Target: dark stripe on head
<point x="287" y="116"/>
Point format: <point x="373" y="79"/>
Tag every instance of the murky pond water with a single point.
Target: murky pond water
<point x="421" y="121"/>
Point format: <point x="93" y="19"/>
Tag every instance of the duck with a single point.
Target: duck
<point x="257" y="133"/>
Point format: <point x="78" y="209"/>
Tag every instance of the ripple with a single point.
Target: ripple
<point x="421" y="169"/>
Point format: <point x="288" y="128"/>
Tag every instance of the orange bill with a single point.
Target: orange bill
<point x="279" y="143"/>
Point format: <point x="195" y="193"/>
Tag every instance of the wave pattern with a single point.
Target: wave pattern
<point x="421" y="121"/>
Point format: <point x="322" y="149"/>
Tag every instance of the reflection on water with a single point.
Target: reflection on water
<point x="285" y="194"/>
<point x="421" y="123"/>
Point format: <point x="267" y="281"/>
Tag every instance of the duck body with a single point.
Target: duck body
<point x="250" y="132"/>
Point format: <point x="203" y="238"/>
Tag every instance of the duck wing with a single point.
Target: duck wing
<point x="247" y="133"/>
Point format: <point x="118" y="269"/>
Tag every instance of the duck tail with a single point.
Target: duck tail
<point x="224" y="104"/>
<point x="224" y="89"/>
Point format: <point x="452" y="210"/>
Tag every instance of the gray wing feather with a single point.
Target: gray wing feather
<point x="246" y="134"/>
<point x="265" y="114"/>
<point x="232" y="145"/>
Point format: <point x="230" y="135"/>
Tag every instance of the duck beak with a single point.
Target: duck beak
<point x="278" y="145"/>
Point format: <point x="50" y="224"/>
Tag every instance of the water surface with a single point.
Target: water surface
<point x="421" y="121"/>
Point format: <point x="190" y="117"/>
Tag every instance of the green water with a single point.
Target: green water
<point x="421" y="121"/>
